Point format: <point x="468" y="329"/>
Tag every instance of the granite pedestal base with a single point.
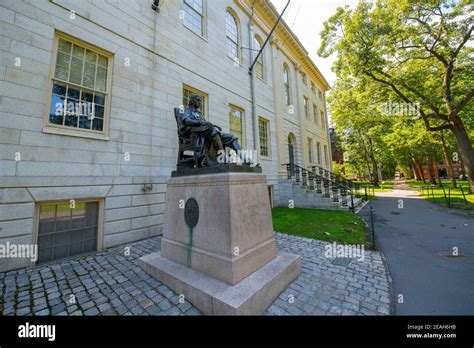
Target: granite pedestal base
<point x="251" y="296"/>
<point x="228" y="262"/>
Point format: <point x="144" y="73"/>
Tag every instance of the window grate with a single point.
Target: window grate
<point x="64" y="231"/>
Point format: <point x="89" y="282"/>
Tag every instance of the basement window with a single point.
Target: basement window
<point x="67" y="229"/>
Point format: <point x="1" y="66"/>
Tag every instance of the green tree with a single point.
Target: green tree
<point x="419" y="52"/>
<point x="413" y="145"/>
<point x="338" y="169"/>
<point x="361" y="126"/>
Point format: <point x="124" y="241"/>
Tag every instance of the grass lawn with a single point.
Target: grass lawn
<point x="370" y="196"/>
<point x="457" y="200"/>
<point x="386" y="186"/>
<point x="328" y="225"/>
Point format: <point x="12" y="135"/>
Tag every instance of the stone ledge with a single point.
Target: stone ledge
<point x="251" y="296"/>
<point x="218" y="169"/>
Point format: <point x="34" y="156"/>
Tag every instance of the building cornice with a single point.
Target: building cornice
<point x="265" y="17"/>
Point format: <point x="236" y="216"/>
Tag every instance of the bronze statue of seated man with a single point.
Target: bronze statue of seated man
<point x="211" y="138"/>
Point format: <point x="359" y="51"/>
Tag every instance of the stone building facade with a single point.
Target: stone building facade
<point x="87" y="131"/>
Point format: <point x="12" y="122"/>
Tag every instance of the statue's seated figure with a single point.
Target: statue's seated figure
<point x="200" y="136"/>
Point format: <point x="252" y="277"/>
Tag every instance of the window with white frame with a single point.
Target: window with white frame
<point x="286" y="84"/>
<point x="326" y="157"/>
<point x="313" y="87"/>
<point x="305" y="81"/>
<point x="187" y="91"/>
<point x="315" y="114"/>
<point x="306" y="107"/>
<point x="310" y="150"/>
<point x="323" y="120"/>
<point x="318" y="152"/>
<point x="263" y="134"/>
<point x="259" y="67"/>
<point x="236" y="121"/>
<point x="232" y="34"/>
<point x="194" y="18"/>
<point x="80" y="82"/>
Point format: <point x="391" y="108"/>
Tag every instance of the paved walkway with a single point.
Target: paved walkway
<point x="417" y="242"/>
<point x="110" y="283"/>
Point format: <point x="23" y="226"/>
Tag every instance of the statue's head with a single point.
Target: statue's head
<point x="195" y="101"/>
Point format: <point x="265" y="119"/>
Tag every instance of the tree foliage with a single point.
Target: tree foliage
<point x="417" y="52"/>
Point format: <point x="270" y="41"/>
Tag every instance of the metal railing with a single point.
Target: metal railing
<point x="329" y="186"/>
<point x="335" y="177"/>
<point x="428" y="190"/>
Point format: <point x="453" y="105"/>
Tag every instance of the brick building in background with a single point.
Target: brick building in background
<point x="440" y="170"/>
<point x="337" y="154"/>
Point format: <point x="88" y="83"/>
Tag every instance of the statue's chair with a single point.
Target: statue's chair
<point x="188" y="138"/>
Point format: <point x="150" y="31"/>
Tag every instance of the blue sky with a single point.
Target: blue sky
<point x="306" y="18"/>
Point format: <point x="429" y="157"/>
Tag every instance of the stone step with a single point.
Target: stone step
<point x="303" y="196"/>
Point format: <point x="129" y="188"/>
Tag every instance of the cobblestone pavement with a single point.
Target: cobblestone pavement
<point x="111" y="283"/>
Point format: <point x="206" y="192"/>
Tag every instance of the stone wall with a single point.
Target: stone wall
<point x="154" y="55"/>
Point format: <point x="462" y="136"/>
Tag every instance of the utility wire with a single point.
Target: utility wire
<point x="289" y="7"/>
<point x="296" y="16"/>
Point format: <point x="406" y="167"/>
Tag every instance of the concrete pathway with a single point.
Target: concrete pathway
<point x="417" y="239"/>
<point x="112" y="283"/>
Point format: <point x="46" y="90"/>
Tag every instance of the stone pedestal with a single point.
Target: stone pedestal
<point x="228" y="262"/>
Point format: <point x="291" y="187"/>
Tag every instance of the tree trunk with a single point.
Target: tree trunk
<point x="419" y="167"/>
<point x="367" y="164"/>
<point x="375" y="169"/>
<point x="431" y="170"/>
<point x="436" y="170"/>
<point x="463" y="170"/>
<point x="448" y="161"/>
<point x="414" y="170"/>
<point x="465" y="150"/>
<point x="366" y="157"/>
<point x="367" y="169"/>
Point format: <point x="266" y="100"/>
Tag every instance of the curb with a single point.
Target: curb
<point x="361" y="207"/>
<point x="391" y="288"/>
